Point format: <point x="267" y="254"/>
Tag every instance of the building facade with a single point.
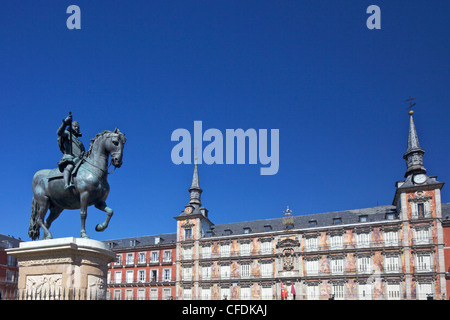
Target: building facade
<point x="396" y="251"/>
<point x="144" y="268"/>
<point x="8" y="268"/>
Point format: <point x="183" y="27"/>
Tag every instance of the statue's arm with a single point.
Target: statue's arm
<point x="62" y="129"/>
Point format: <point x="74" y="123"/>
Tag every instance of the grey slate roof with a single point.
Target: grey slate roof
<point x="143" y="241"/>
<point x="6" y="240"/>
<point x="302" y="221"/>
<point x="374" y="214"/>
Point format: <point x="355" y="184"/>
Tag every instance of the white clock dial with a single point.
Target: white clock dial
<point x="420" y="178"/>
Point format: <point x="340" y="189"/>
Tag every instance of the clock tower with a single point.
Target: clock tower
<point x="192" y="225"/>
<point x="418" y="202"/>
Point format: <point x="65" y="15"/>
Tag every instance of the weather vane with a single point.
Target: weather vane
<point x="411" y="104"/>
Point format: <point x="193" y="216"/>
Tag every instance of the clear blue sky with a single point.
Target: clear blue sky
<point x="311" y="69"/>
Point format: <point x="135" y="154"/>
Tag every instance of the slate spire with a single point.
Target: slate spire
<point x="414" y="153"/>
<point x="195" y="189"/>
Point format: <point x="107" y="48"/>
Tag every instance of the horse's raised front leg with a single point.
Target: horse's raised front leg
<point x="109" y="212"/>
<point x="83" y="213"/>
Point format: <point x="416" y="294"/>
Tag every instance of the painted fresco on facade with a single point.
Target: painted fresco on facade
<point x="255" y="291"/>
<point x="350" y="263"/>
<point x="349" y="239"/>
<point x="234" y="293"/>
<point x="323" y="241"/>
<point x="256" y="269"/>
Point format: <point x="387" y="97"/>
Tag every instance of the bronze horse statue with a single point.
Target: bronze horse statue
<point x="91" y="187"/>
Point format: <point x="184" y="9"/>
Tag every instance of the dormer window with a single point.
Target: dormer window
<point x="313" y="223"/>
<point x="227" y="232"/>
<point x="267" y="228"/>
<point x="337" y="221"/>
<point x="246" y="230"/>
<point x="363" y="218"/>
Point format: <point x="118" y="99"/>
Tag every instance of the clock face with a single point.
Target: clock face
<point x="188" y="210"/>
<point x="420" y="178"/>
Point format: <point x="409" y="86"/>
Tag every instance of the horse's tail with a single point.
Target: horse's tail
<point x="33" y="230"/>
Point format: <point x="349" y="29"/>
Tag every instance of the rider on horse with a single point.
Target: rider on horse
<point x="71" y="147"/>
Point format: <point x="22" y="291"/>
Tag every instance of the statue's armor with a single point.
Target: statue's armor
<point x="77" y="150"/>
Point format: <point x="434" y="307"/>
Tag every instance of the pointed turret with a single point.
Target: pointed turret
<point x="414" y="153"/>
<point x="195" y="189"/>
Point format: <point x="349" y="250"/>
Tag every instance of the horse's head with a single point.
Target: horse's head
<point x="114" y="146"/>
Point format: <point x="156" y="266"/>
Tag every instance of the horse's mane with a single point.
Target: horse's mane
<point x="101" y="134"/>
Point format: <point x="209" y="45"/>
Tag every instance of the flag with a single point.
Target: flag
<point x="283" y="291"/>
<point x="293" y="290"/>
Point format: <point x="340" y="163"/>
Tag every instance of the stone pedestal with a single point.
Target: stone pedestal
<point x="62" y="269"/>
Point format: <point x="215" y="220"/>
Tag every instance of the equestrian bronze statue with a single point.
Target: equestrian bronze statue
<point x="79" y="181"/>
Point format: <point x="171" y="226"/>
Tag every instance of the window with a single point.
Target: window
<point x="227" y="232"/>
<point x="118" y="277"/>
<point x="312" y="267"/>
<point x="166" y="275"/>
<point x="393" y="291"/>
<point x="363" y="218"/>
<point x="130" y="258"/>
<point x="424" y="289"/>
<point x="245" y="294"/>
<point x="141" y="275"/>
<point x="420" y="210"/>
<point x="246" y="230"/>
<point x="337" y="220"/>
<point x="363" y="240"/>
<point x="391" y="238"/>
<point x="154" y="275"/>
<point x="187" y="273"/>
<point x="141" y="294"/>
<point x="423" y="263"/>
<point x="154" y="294"/>
<point x="390" y="216"/>
<point x="154" y="257"/>
<point x="365" y="291"/>
<point x="364" y="265"/>
<point x="225" y="250"/>
<point x="245" y="270"/>
<point x="312" y="292"/>
<point x="244" y="249"/>
<point x="206" y="272"/>
<point x="225" y="293"/>
<point x="130" y="276"/>
<point x="187" y="294"/>
<point x="225" y="272"/>
<point x="391" y="264"/>
<point x="267" y="228"/>
<point x="206" y="294"/>
<point x="129" y="294"/>
<point x="312" y="244"/>
<point x="422" y="236"/>
<point x="337" y="266"/>
<point x="167" y="256"/>
<point x="187" y="253"/>
<point x="266" y="247"/>
<point x="337" y="290"/>
<point x="118" y="260"/>
<point x="166" y="294"/>
<point x="187" y="234"/>
<point x="117" y="295"/>
<point x="108" y="277"/>
<point x="313" y="223"/>
<point x="336" y="242"/>
<point x="141" y="257"/>
<point x="266" y="269"/>
<point x="206" y="252"/>
<point x="266" y="293"/>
